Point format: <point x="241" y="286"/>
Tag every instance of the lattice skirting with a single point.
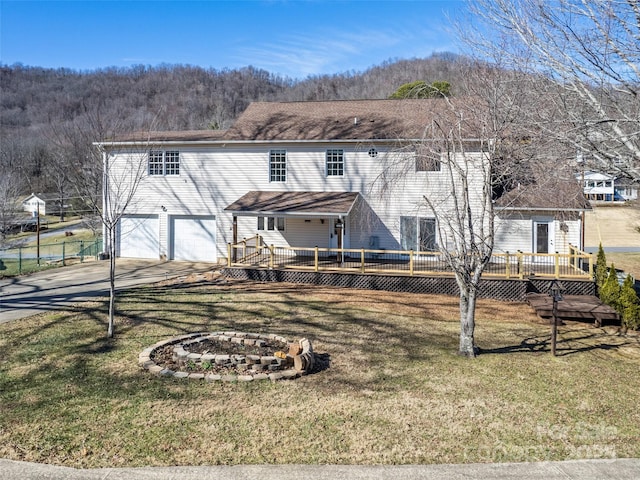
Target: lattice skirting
<point x="510" y="290"/>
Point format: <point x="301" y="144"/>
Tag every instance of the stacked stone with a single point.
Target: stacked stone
<point x="258" y="367"/>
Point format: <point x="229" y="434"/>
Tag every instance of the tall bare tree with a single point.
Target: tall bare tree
<point x="586" y="56"/>
<point x="108" y="189"/>
<point x="9" y="206"/>
<point x="120" y="184"/>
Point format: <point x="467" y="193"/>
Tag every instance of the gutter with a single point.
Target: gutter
<point x="224" y="143"/>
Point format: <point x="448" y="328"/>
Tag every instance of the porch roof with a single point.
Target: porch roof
<point x="317" y="204"/>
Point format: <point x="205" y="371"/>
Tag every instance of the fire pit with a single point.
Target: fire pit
<point x="229" y="356"/>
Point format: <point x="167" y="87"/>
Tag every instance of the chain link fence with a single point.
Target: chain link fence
<point x="27" y="259"/>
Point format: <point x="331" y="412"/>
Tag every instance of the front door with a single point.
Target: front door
<point x="543" y="236"/>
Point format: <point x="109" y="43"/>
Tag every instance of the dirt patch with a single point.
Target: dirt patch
<point x="613" y="226"/>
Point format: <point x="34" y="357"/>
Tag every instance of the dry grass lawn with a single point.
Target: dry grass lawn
<point x="395" y="392"/>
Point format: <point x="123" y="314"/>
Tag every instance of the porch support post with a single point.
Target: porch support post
<point x="340" y="240"/>
<point x="235" y="238"/>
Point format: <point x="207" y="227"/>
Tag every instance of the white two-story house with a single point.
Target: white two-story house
<point x="339" y="174"/>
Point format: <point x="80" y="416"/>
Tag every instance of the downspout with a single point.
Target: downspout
<point x="105" y="185"/>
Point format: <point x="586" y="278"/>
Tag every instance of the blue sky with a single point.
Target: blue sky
<point x="291" y="38"/>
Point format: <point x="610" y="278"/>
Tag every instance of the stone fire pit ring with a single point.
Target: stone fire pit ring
<point x="292" y="359"/>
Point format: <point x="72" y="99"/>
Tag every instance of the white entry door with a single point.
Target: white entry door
<point x="543" y="236"/>
<point x="193" y="237"/>
<point x="138" y="236"/>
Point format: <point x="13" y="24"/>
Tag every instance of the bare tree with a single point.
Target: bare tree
<point x="586" y="57"/>
<point x="106" y="187"/>
<point x="9" y="206"/>
<point x="459" y="146"/>
<point x="120" y="184"/>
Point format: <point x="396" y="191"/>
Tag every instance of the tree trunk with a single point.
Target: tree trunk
<point x="112" y="280"/>
<point x="467" y="321"/>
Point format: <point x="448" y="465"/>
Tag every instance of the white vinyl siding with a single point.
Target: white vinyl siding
<point x="514" y="231"/>
<point x="205" y="192"/>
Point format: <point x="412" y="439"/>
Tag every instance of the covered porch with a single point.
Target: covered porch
<point x="311" y="218"/>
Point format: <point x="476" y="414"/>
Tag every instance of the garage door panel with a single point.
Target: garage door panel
<point x="139" y="236"/>
<point x="193" y="238"/>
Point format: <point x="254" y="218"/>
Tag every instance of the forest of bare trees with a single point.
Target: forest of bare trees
<point x="49" y="117"/>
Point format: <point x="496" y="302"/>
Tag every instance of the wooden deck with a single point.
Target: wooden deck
<point x="573" y="307"/>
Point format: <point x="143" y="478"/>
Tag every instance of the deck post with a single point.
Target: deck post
<point x="557" y="265"/>
<point x="362" y="260"/>
<point x="520" y="270"/>
<point x="229" y="254"/>
<point x="235" y="236"/>
<point x="244" y="249"/>
<point x="507" y="268"/>
<point x="591" y="265"/>
<point x="411" y="263"/>
<point x="272" y="250"/>
<point x="315" y="259"/>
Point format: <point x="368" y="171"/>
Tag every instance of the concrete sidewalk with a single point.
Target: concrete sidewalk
<point x="619" y="469"/>
<point x="61" y="288"/>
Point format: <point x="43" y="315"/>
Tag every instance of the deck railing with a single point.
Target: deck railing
<point x="253" y="252"/>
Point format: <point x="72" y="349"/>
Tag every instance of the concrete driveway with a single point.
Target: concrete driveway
<point x="60" y="288"/>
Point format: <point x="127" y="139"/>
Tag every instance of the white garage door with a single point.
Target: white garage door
<point x="139" y="236"/>
<point x="193" y="237"/>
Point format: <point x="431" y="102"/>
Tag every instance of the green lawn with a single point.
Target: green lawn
<point x="395" y="391"/>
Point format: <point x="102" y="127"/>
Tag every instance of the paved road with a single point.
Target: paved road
<point x="60" y="288"/>
<point x="620" y="469"/>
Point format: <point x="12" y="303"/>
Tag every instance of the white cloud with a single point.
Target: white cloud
<point x="337" y="50"/>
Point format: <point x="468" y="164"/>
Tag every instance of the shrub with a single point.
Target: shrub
<point x="610" y="291"/>
<point x="629" y="305"/>
<point x="601" y="268"/>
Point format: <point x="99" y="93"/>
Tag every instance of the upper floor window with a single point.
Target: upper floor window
<point x="427" y="160"/>
<point x="164" y="163"/>
<point x="278" y="166"/>
<point x="335" y="162"/>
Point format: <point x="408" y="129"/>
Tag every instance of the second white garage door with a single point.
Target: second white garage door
<point x="193" y="237"/>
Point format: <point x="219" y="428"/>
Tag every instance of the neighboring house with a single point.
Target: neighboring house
<point x="598" y="186"/>
<point x="545" y="218"/>
<point x="35" y="203"/>
<point x="608" y="188"/>
<point x="625" y="189"/>
<point x="49" y="204"/>
<point x="303" y="174"/>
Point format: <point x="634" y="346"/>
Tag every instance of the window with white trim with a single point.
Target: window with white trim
<point x="272" y="223"/>
<point x="418" y="234"/>
<point x="335" y="162"/>
<point x="164" y="163"/>
<point x="428" y="160"/>
<point x="278" y="166"/>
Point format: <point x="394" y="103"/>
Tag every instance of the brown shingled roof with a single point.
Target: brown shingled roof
<point x="168" y="136"/>
<point x="335" y="120"/>
<point x="340" y="120"/>
<point x="552" y="194"/>
<point x="265" y="203"/>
